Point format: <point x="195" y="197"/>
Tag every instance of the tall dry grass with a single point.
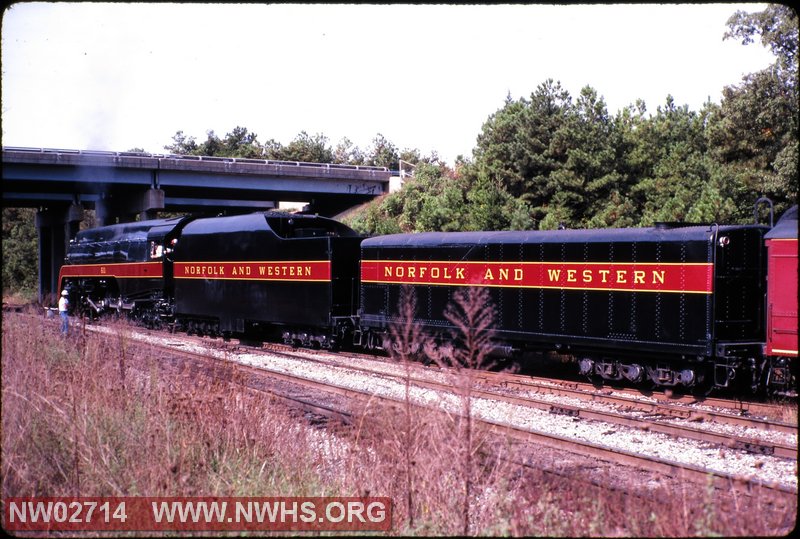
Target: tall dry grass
<point x="91" y="415"/>
<point x="454" y="477"/>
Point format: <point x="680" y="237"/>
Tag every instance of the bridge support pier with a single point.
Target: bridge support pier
<point x="110" y="210"/>
<point x="55" y="228"/>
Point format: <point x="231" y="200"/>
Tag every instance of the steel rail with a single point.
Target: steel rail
<point x="748" y="444"/>
<point x="739" y="406"/>
<point x="677" y="410"/>
<point x="741" y="484"/>
<point x="744" y="484"/>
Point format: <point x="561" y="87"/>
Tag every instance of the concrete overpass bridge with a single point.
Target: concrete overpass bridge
<point x="125" y="186"/>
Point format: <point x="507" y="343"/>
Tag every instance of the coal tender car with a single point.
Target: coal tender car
<point x="672" y="305"/>
<point x="273" y="274"/>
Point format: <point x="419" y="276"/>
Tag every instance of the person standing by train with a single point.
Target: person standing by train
<point x="63" y="311"/>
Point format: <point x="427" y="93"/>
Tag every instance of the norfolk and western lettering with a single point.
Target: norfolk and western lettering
<point x="689" y="278"/>
<point x="637" y="277"/>
<point x="301" y="270"/>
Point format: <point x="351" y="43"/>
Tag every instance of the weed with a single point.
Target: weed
<point x="95" y="416"/>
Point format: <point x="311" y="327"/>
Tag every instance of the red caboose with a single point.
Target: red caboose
<point x="781" y="342"/>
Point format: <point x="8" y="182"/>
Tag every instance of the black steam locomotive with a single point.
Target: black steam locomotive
<point x="672" y="305"/>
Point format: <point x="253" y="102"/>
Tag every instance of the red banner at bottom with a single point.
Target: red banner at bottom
<point x="197" y="514"/>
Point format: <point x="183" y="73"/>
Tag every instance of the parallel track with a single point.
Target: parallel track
<point x="736" y="407"/>
<point x="741" y="484"/>
<point x="627" y="403"/>
<point x="745" y="485"/>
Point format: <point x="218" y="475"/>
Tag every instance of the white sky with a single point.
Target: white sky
<point x="118" y="76"/>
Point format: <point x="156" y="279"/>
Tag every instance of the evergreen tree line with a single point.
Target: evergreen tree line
<point x="550" y="160"/>
<point x="241" y="143"/>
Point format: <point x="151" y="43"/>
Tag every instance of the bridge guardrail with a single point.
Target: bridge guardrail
<point x="206" y="158"/>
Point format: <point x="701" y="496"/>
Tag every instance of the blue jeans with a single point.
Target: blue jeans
<point x="64" y="322"/>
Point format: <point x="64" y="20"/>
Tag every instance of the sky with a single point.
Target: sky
<point x="90" y="76"/>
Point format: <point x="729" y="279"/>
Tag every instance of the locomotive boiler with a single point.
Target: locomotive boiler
<point x="254" y="274"/>
<point x="124" y="268"/>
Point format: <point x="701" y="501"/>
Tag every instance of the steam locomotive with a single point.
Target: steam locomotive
<point x="670" y="305"/>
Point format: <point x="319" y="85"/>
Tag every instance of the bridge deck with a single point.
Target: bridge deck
<point x="39" y="176"/>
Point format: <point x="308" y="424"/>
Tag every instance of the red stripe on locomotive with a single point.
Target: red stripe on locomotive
<point x="126" y="270"/>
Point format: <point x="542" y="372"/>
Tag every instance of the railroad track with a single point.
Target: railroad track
<point x="621" y="415"/>
<point x="683" y="409"/>
<point x="695" y="472"/>
<point x="734" y="407"/>
<point x="226" y="354"/>
<point x="726" y="411"/>
<point x="655" y="416"/>
<point x="258" y="379"/>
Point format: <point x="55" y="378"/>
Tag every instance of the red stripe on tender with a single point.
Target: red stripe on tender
<point x="264" y="270"/>
<point x="635" y="277"/>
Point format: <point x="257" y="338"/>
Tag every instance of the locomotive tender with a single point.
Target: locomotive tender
<point x="671" y="304"/>
<point x="249" y="273"/>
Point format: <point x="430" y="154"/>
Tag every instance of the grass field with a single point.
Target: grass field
<point x="89" y="415"/>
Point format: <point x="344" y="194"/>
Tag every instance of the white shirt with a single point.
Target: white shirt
<point x="63" y="304"/>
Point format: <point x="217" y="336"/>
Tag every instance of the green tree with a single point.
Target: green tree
<point x="545" y="161"/>
<point x="490" y="207"/>
<point x="437" y="198"/>
<point x="501" y="146"/>
<point x="182" y="145"/>
<point x="308" y="149"/>
<point x="347" y="153"/>
<point x="382" y="153"/>
<point x="431" y="200"/>
<point x="241" y="143"/>
<point x="238" y="143"/>
<point x="272" y="149"/>
<point x="213" y="146"/>
<point x="374" y="219"/>
<point x="445" y="210"/>
<point x="20" y="253"/>
<point x="558" y="158"/>
<point x="516" y="145"/>
<point x="587" y="175"/>
<point x="778" y="28"/>
<point x="754" y="133"/>
<point x="677" y="172"/>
